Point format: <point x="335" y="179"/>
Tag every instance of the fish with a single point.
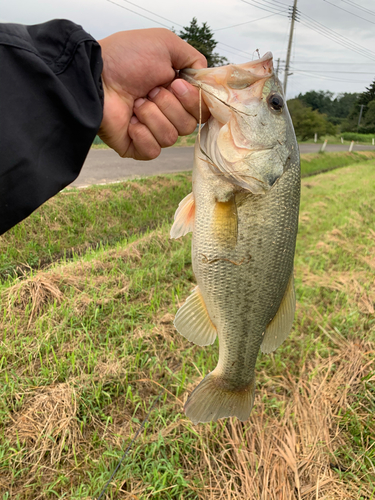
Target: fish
<point x="243" y="215"/>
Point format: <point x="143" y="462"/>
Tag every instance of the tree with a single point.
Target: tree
<point x="343" y="104"/>
<point x="307" y="121"/>
<point x="367" y="96"/>
<point x="318" y="100"/>
<point x="365" y="99"/>
<point x="202" y="39"/>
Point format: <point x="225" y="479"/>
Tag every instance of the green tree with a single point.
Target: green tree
<point x="343" y="104"/>
<point x="307" y="121"/>
<point x="365" y="99"/>
<point x="202" y="39"/>
<point x="317" y="100"/>
<point x="368" y="95"/>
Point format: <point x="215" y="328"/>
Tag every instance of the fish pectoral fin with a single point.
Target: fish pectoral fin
<point x="193" y="322"/>
<point x="211" y="400"/>
<point x="184" y="217"/>
<point x="279" y="328"/>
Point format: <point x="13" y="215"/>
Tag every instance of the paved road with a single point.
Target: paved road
<point x="103" y="166"/>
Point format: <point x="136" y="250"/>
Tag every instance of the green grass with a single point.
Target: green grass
<point x="79" y="219"/>
<point x="182" y="141"/>
<point x="363" y="138"/>
<point x="87" y="344"/>
<point x="314" y="163"/>
<point x="189" y="140"/>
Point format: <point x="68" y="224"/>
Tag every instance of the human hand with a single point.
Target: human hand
<point x="145" y="107"/>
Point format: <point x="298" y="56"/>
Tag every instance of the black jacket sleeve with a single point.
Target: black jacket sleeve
<point x="51" y="106"/>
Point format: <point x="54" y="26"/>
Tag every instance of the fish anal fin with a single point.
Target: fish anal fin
<point x="184" y="217"/>
<point x="211" y="401"/>
<point x="193" y="322"/>
<point x="279" y="328"/>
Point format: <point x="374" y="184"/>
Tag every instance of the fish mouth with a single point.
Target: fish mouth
<point x="235" y="76"/>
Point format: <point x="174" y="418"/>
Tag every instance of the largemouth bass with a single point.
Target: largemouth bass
<point x="243" y="213"/>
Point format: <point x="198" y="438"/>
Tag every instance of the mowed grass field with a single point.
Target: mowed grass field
<point x="89" y="287"/>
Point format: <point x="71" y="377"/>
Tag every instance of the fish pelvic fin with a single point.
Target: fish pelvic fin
<point x="184" y="217"/>
<point x="211" y="401"/>
<point x="279" y="328"/>
<point x="193" y="322"/>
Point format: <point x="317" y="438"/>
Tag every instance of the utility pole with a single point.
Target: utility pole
<point x="360" y="116"/>
<point x="277" y="67"/>
<point x="294" y="11"/>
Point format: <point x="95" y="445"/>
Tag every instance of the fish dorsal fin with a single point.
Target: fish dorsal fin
<point x="279" y="328"/>
<point x="193" y="322"/>
<point x="184" y="217"/>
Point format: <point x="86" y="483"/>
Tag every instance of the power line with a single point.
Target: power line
<point x="153" y="13"/>
<point x="239" y="50"/>
<point x="234" y="53"/>
<point x="368" y="11"/>
<point x="329" y="62"/>
<point x="138" y="14"/>
<point x="247" y="22"/>
<point x="342" y="72"/>
<point x="316" y="26"/>
<point x="338" y="35"/>
<point x="352" y="13"/>
<point x="177" y="24"/>
<point x="261" y="6"/>
<point x="335" y="37"/>
<point x="322" y="77"/>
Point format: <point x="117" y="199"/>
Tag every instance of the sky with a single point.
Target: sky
<point x="333" y="45"/>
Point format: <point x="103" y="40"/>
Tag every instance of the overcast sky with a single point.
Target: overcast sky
<point x="317" y="62"/>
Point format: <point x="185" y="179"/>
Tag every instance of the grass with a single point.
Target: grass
<point x="314" y="163"/>
<point x="88" y="343"/>
<point x="364" y="138"/>
<point x="347" y="137"/>
<point x="79" y="219"/>
<point x="182" y="141"/>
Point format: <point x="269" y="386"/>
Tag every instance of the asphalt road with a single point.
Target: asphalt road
<point x="103" y="166"/>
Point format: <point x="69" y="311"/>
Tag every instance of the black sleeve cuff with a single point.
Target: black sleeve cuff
<point x="51" y="107"/>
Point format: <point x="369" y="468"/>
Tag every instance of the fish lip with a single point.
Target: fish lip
<point x="184" y="74"/>
<point x="189" y="73"/>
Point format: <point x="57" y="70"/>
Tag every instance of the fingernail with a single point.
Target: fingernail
<point x="179" y="87"/>
<point x="134" y="119"/>
<point x="139" y="102"/>
<point x="154" y="92"/>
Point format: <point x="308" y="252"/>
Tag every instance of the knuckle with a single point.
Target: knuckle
<point x="188" y="126"/>
<point x="169" y="138"/>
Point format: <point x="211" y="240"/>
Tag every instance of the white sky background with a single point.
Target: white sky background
<point x="317" y="63"/>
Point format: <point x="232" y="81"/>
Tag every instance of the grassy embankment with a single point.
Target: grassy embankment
<point x="187" y="140"/>
<point x="87" y="344"/>
<point x="348" y="137"/>
<point x="78" y="219"/>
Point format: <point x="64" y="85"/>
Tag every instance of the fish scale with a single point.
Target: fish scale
<point x="243" y="213"/>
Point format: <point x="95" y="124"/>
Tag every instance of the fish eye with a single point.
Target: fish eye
<point x="276" y="102"/>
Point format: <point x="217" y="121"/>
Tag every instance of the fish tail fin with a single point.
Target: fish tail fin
<point x="211" y="401"/>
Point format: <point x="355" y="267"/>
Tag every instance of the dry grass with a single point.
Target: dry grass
<point x="47" y="425"/>
<point x="37" y="292"/>
<point x="290" y="454"/>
